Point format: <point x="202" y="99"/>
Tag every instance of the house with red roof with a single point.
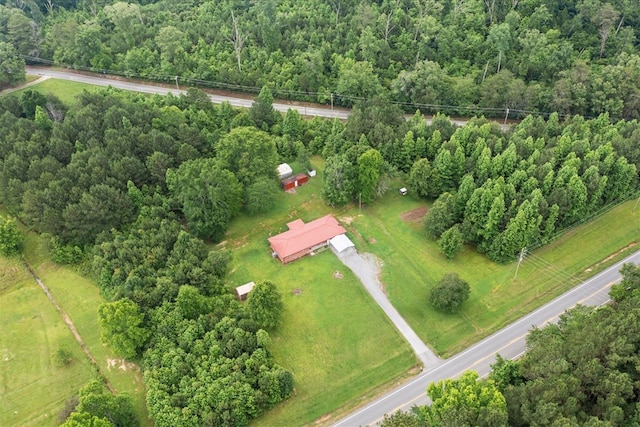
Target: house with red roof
<point x="301" y="239"/>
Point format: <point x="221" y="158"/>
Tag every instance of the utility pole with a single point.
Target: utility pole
<point x="506" y="116"/>
<point x="520" y="258"/>
<point x="177" y="87"/>
<point x="359" y="202"/>
<point x="331" y="101"/>
<point x="636" y="205"/>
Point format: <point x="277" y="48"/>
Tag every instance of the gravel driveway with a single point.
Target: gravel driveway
<point x="366" y="268"/>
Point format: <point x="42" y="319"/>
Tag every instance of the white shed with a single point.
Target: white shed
<point x="284" y="171"/>
<point x="243" y="291"/>
<point x="340" y="243"/>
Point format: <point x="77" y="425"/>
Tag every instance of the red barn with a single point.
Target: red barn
<point x="302" y="239"/>
<point x="294" y="181"/>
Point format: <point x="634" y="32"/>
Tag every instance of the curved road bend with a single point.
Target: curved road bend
<point x="509" y="342"/>
<point x="96" y="79"/>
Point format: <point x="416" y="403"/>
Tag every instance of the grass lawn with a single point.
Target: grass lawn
<point x="80" y="298"/>
<point x="66" y="90"/>
<point x="33" y="388"/>
<point x="413" y="265"/>
<point x="335" y="340"/>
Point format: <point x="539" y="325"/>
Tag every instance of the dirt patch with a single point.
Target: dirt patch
<point x="337" y="275"/>
<point x="121" y="364"/>
<point x="346" y="219"/>
<point x="414" y="215"/>
<point x="296" y="291"/>
<point x="610" y="257"/>
<point x="372" y="240"/>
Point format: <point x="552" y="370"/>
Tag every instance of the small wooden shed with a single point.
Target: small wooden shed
<point x="294" y="181"/>
<point x="243" y="291"/>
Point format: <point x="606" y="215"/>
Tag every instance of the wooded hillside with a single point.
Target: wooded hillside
<point x="459" y="57"/>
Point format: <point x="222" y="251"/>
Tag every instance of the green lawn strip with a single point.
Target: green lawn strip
<point x="413" y="265"/>
<point x="33" y="387"/>
<point x="80" y="298"/>
<point x="66" y="90"/>
<point x="334" y="339"/>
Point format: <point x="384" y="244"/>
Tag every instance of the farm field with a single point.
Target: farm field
<point x="33" y="387"/>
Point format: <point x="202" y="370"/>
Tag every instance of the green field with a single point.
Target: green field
<point x="33" y="388"/>
<point x="64" y="89"/>
<point x="80" y="298"/>
<point x="413" y="265"/>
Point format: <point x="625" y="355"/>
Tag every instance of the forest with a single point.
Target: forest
<point x="582" y="371"/>
<point x="459" y="57"/>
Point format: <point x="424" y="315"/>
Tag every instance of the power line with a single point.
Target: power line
<point x="471" y="109"/>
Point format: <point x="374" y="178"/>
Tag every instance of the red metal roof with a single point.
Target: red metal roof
<point x="301" y="236"/>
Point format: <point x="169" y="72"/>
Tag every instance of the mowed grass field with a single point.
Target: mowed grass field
<point x="335" y="340"/>
<point x="33" y="388"/>
<point x="64" y="89"/>
<point x="79" y="298"/>
<point x="413" y="265"/>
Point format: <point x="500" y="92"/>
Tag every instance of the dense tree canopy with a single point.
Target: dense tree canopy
<point x="98" y="407"/>
<point x="583" y="370"/>
<point x="472" y="57"/>
<point x="11" y="65"/>
<point x="210" y="196"/>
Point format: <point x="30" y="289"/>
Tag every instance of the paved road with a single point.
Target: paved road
<point x="366" y="268"/>
<point x="100" y="80"/>
<point x="509" y="342"/>
<point x="306" y="109"/>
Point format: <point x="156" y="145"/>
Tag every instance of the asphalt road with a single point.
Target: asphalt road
<point x="100" y="80"/>
<point x="306" y="109"/>
<point x="509" y="342"/>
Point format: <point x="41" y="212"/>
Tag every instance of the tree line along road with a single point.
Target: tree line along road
<point x="305" y="109"/>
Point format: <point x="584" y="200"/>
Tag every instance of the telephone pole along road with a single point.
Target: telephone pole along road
<point x="306" y="109"/>
<point x="510" y="342"/>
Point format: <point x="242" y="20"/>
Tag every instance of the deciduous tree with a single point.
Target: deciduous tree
<point x="465" y="401"/>
<point x="123" y="327"/>
<point x="264" y="305"/>
<point x="11" y="238"/>
<point x="450" y="293"/>
<point x="210" y="196"/>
